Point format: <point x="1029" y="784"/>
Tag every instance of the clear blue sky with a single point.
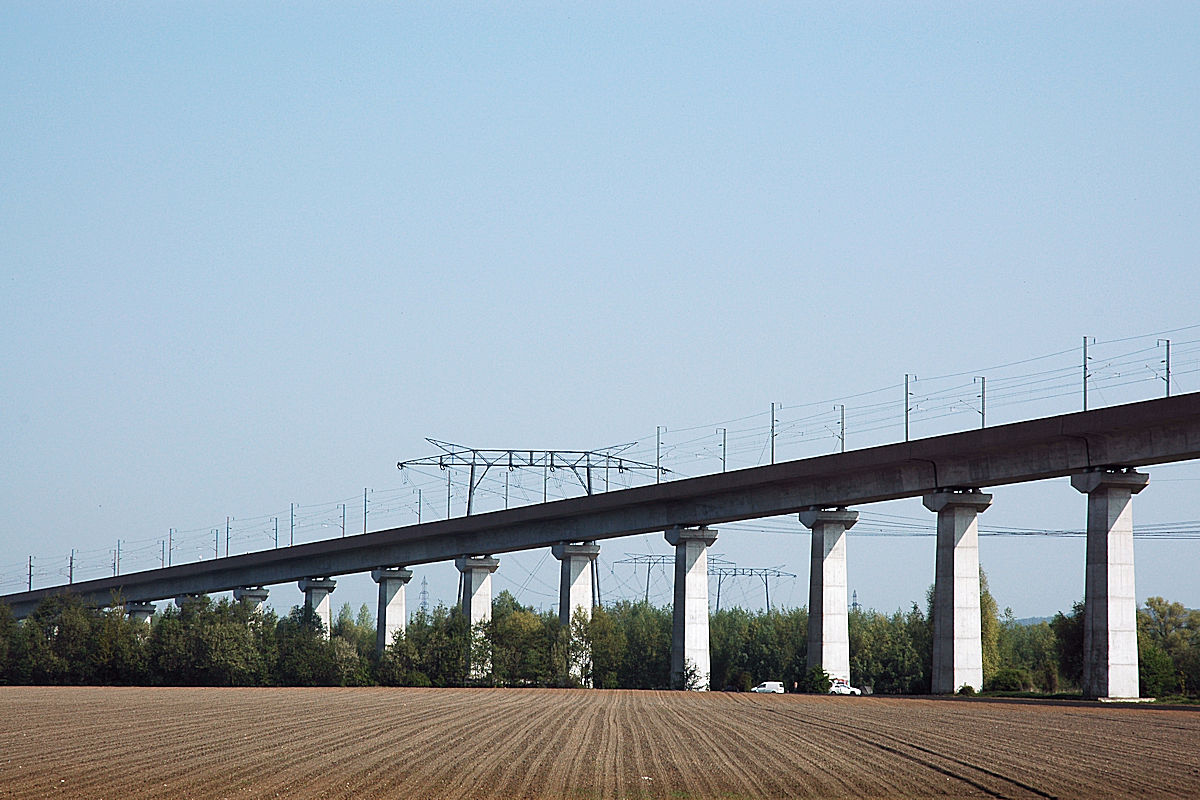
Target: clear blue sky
<point x="252" y="254"/>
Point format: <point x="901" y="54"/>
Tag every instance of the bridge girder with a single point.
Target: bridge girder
<point x="1132" y="435"/>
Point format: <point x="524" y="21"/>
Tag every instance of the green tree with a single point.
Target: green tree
<point x="814" y="681"/>
<point x="207" y="644"/>
<point x="647" y="659"/>
<point x="1156" y="671"/>
<point x="521" y="642"/>
<point x="350" y="667"/>
<point x="263" y="627"/>
<point x="607" y="644"/>
<point x="763" y="654"/>
<point x="728" y="632"/>
<point x="1031" y="649"/>
<point x="1068" y="636"/>
<point x="1175" y="631"/>
<point x="1189" y="676"/>
<point x="441" y="639"/>
<point x="562" y="653"/>
<point x="353" y="643"/>
<point x="690" y="679"/>
<point x="358" y="630"/>
<point x="27" y="649"/>
<point x="118" y="649"/>
<point x="791" y="631"/>
<point x="891" y="654"/>
<point x="225" y="649"/>
<point x="400" y="664"/>
<point x="365" y="619"/>
<point x="306" y="657"/>
<point x="989" y="624"/>
<point x="52" y="645"/>
<point x="343" y="624"/>
<point x="575" y="642"/>
<point x="168" y="653"/>
<point x="8" y="635"/>
<point x="774" y="647"/>
<point x="1169" y="625"/>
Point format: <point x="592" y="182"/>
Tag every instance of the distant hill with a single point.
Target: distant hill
<point x="1033" y="620"/>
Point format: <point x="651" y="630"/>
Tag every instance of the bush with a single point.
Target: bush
<point x="1068" y="632"/>
<point x="689" y="680"/>
<point x="1156" y="672"/>
<point x="815" y="681"/>
<point x="1010" y="679"/>
<point x="8" y="636"/>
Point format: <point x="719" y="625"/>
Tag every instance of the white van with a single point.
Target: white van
<point x="769" y="687"/>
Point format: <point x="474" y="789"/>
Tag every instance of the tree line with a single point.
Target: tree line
<point x="622" y="645"/>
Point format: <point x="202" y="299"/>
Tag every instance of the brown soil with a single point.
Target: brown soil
<point x="511" y="743"/>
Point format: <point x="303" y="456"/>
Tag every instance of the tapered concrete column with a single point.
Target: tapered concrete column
<point x="252" y="596"/>
<point x="139" y="613"/>
<point x="689" y="630"/>
<point x="575" y="592"/>
<point x="476" y="594"/>
<point x="957" y="624"/>
<point x="575" y="584"/>
<point x="391" y="614"/>
<point x="316" y="597"/>
<point x="1110" y="651"/>
<point x="828" y="621"/>
<point x="475" y="599"/>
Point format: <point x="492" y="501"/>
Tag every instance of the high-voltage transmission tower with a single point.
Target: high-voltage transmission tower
<point x="717" y="566"/>
<point x="582" y="463"/>
<point x="650" y="560"/>
<point x="722" y="572"/>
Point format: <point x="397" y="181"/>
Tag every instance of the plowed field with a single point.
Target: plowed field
<point x="510" y="743"/>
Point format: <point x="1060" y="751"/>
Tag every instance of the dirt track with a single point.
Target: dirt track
<point x="464" y="743"/>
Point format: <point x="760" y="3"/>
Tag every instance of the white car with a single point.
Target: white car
<point x="769" y="687"/>
<point x="840" y="686"/>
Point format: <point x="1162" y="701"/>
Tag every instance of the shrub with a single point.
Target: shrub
<point x="815" y="681"/>
<point x="1010" y="679"/>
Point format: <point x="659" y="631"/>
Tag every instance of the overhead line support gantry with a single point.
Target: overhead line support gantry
<point x="454" y="455"/>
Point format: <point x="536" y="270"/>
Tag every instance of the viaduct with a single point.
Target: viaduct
<point x="1100" y="450"/>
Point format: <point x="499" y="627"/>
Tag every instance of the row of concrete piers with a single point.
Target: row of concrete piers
<point x="1110" y="600"/>
<point x="1110" y="624"/>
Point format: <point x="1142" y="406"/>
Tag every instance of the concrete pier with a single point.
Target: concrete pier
<point x="316" y="597"/>
<point x="575" y="584"/>
<point x="252" y="596"/>
<point x="575" y="592"/>
<point x="391" y="614"/>
<point x="957" y="624"/>
<point x="475" y="599"/>
<point x="1110" y="651"/>
<point x="689" y="631"/>
<point x="139" y="612"/>
<point x="828" y="621"/>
